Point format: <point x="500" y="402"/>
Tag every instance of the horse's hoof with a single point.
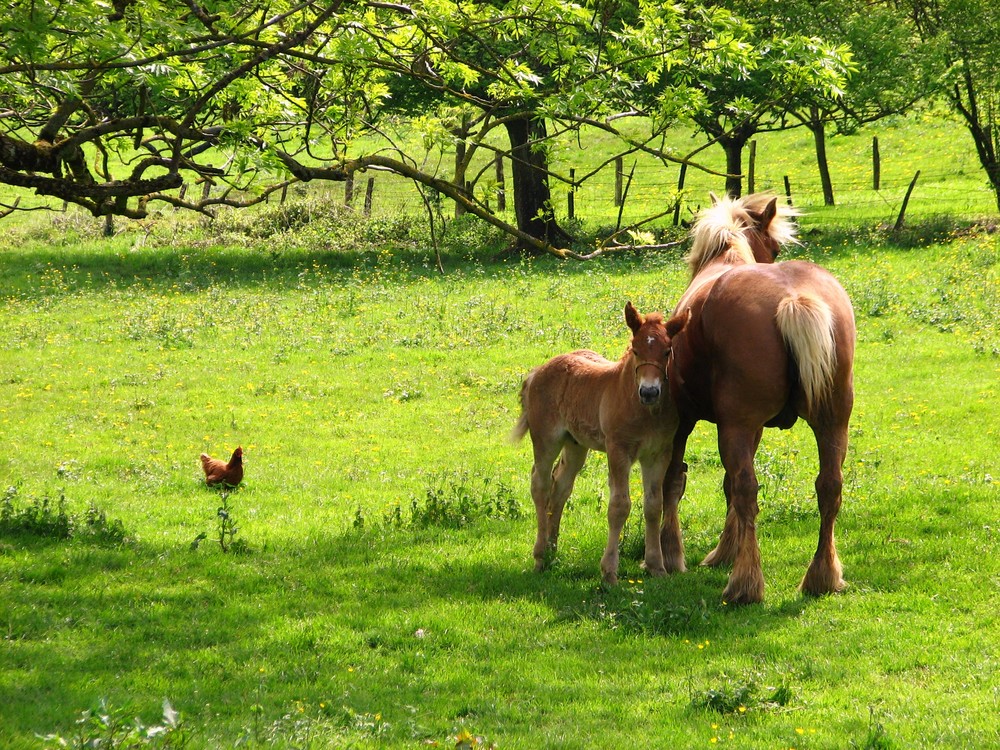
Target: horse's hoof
<point x="815" y="590"/>
<point x="610" y="579"/>
<point x="745" y="593"/>
<point x="716" y="558"/>
<point x="676" y="567"/>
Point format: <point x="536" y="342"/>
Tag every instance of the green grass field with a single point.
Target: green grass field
<point x="378" y="590"/>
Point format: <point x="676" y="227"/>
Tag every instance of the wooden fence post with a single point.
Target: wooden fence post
<point x="369" y="189"/>
<point x="680" y="187"/>
<point x="349" y="189"/>
<point x="570" y="195"/>
<point x="619" y="168"/>
<point x="906" y="199"/>
<point x="876" y="164"/>
<point x="752" y="167"/>
<point x="788" y="190"/>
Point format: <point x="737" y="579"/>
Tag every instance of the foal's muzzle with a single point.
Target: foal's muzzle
<point x="649" y="394"/>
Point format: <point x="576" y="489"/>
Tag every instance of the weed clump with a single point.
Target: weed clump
<point x="451" y="502"/>
<point x="740" y="696"/>
<point x="40" y="518"/>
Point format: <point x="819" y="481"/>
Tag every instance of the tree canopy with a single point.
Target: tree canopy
<point x="117" y="106"/>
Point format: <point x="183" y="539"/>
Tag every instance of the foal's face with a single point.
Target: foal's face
<point x="650" y="350"/>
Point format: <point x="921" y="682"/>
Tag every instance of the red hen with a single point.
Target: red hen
<point x="219" y="472"/>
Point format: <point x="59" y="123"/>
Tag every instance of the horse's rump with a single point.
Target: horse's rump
<point x="755" y="317"/>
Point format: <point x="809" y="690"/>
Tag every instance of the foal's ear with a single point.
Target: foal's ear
<point x="763" y="219"/>
<point x="633" y="317"/>
<point x="676" y="324"/>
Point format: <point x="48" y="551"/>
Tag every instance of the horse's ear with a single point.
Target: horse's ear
<point x="764" y="218"/>
<point x="714" y="197"/>
<point x="676" y="324"/>
<point x="633" y="317"/>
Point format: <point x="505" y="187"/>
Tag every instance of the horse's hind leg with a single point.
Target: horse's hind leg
<point x="726" y="550"/>
<point x="737" y="447"/>
<point x="825" y="574"/>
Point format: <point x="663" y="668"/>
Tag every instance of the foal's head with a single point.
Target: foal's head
<point x="650" y="350"/>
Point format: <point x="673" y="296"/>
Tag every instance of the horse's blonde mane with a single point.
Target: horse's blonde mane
<point x="720" y="231"/>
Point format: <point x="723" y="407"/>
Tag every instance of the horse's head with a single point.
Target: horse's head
<point x="744" y="230"/>
<point x="768" y="225"/>
<point x="650" y="350"/>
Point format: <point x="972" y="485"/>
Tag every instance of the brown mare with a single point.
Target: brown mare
<point x="766" y="343"/>
<point x="579" y="402"/>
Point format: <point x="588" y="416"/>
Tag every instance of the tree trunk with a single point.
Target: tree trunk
<point x="734" y="166"/>
<point x="818" y="128"/>
<point x="463" y="157"/>
<point x="964" y="98"/>
<point x="459" y="179"/>
<point x="532" y="199"/>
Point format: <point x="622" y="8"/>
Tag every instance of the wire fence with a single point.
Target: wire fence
<point x="630" y="191"/>
<point x="611" y="198"/>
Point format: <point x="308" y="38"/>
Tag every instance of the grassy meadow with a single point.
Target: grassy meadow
<point x="376" y="587"/>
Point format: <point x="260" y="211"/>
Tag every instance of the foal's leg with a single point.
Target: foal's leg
<point x="541" y="490"/>
<point x="653" y="470"/>
<point x="619" y="465"/>
<point x="825" y="574"/>
<point x="737" y="446"/>
<point x="573" y="457"/>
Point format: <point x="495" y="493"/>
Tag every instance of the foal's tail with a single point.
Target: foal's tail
<point x="521" y="428"/>
<point x="807" y="325"/>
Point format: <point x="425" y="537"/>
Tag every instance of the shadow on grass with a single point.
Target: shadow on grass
<point x="211" y="631"/>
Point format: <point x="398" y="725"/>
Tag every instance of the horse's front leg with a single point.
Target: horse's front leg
<point x="671" y="541"/>
<point x="619" y="465"/>
<point x="737" y="447"/>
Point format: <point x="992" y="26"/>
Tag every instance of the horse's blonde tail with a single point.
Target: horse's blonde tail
<point x="521" y="428"/>
<point x="807" y="325"/>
